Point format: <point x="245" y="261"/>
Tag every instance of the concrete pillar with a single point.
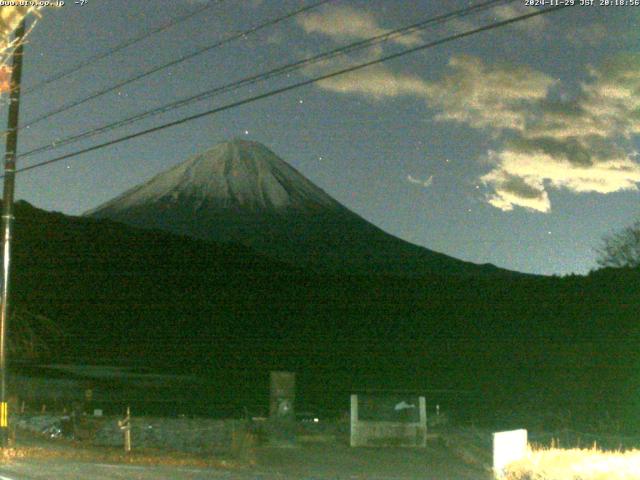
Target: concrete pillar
<point x="423" y="420"/>
<point x="354" y="421"/>
<point x="282" y="417"/>
<point x="283" y="395"/>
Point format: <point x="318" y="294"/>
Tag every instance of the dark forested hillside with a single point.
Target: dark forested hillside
<point x="126" y="295"/>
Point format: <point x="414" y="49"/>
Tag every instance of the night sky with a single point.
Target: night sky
<point x="517" y="146"/>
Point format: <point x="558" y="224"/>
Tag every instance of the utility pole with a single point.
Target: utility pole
<point x="7" y="222"/>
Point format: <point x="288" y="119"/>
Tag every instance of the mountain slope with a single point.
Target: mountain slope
<point x="242" y="192"/>
<point x="134" y="296"/>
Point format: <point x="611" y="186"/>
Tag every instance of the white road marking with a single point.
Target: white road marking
<point x="146" y="468"/>
<point x="107" y="465"/>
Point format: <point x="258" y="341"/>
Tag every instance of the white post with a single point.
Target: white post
<point x="423" y="419"/>
<point x="125" y="426"/>
<point x="354" y="420"/>
<point x="508" y="447"/>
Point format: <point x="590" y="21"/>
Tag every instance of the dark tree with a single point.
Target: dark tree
<point x="621" y="249"/>
<point x="32" y="336"/>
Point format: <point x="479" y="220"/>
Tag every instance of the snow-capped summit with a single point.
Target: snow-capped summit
<point x="235" y="175"/>
<point x="240" y="191"/>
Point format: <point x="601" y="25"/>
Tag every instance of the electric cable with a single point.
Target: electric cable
<point x="278" y="71"/>
<point x="293" y="87"/>
<point x="121" y="46"/>
<point x="189" y="56"/>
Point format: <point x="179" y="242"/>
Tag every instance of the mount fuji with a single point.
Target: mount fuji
<point x="241" y="192"/>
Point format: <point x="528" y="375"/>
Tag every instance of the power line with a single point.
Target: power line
<point x="189" y="56"/>
<point x="266" y="75"/>
<point x="291" y="67"/>
<point x="292" y="87"/>
<point x="118" y="48"/>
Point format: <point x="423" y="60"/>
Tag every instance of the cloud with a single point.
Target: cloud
<point x="580" y="141"/>
<point x="614" y="96"/>
<point x="513" y="190"/>
<point x="376" y="82"/>
<point x="524" y="178"/>
<point x="472" y="93"/>
<point x="533" y="25"/>
<point x="347" y="23"/>
<point x="484" y="97"/>
<point x="425" y="183"/>
<point x="579" y="145"/>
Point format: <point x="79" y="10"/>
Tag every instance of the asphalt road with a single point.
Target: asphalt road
<point x="50" y="470"/>
<point x="273" y="464"/>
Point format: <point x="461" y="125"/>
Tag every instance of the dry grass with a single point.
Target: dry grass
<point x="576" y="464"/>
